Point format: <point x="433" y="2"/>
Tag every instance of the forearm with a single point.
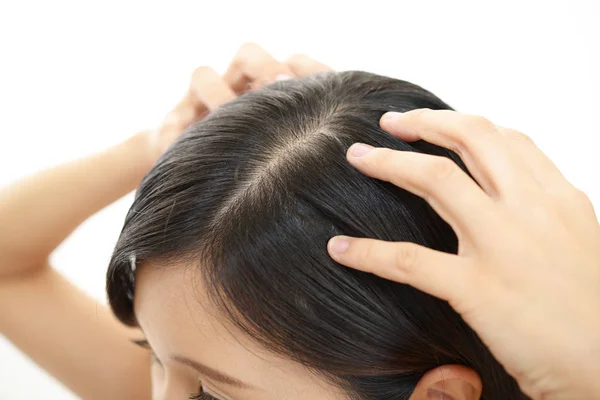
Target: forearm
<point x="38" y="212"/>
<point x="72" y="337"/>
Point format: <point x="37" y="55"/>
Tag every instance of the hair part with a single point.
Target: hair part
<point x="250" y="196"/>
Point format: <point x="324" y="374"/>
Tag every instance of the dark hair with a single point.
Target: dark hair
<point x="251" y="195"/>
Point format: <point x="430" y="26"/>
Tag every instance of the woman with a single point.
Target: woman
<point x="235" y="217"/>
<point x="222" y="263"/>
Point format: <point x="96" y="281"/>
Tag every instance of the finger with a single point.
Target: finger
<point x="475" y="139"/>
<point x="543" y="169"/>
<point x="178" y="119"/>
<point x="302" y="65"/>
<point x="440" y="181"/>
<point x="210" y="89"/>
<point x="182" y="115"/>
<point x="252" y="65"/>
<point x="440" y="274"/>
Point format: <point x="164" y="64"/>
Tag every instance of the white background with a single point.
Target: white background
<point x="78" y="76"/>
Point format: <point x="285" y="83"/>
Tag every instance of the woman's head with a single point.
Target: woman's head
<point x="229" y="230"/>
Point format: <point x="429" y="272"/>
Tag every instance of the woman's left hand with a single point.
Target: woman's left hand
<point x="527" y="274"/>
<point x="251" y="68"/>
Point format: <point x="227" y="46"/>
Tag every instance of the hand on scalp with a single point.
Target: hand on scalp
<point x="527" y="274"/>
<point x="251" y="68"/>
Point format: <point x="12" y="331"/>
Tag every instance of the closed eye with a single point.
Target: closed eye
<point x="144" y="344"/>
<point x="201" y="395"/>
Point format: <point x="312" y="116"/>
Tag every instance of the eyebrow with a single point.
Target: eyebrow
<point x="211" y="373"/>
<point x="202" y="369"/>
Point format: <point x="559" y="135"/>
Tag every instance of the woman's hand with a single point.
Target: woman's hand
<point x="527" y="274"/>
<point x="251" y="68"/>
<point x="38" y="212"/>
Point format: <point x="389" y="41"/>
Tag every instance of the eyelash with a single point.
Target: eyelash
<point x="201" y="396"/>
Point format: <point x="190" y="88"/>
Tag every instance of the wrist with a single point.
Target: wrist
<point x="143" y="148"/>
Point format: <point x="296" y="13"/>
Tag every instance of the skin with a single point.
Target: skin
<point x="91" y="353"/>
<point x="527" y="274"/>
<point x="177" y="319"/>
<point x="196" y="350"/>
<point x="83" y="345"/>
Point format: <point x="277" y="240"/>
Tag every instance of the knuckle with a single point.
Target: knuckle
<point x="480" y="123"/>
<point x="297" y="58"/>
<point x="445" y="113"/>
<point x="467" y="130"/>
<point x="440" y="168"/>
<point x="273" y="69"/>
<point x="365" y="255"/>
<point x="405" y="258"/>
<point x="202" y="73"/>
<point x="524" y="137"/>
<point x="517" y="135"/>
<point x="579" y="197"/>
<point x="169" y="130"/>
<point x="382" y="156"/>
<point x="419" y="113"/>
<point x="238" y="61"/>
<point x="384" y="160"/>
<point x="370" y="251"/>
<point x="249" y="47"/>
<point x="244" y="52"/>
<point x="171" y="119"/>
<point x="187" y="115"/>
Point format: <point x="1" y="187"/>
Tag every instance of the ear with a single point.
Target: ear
<point x="449" y="382"/>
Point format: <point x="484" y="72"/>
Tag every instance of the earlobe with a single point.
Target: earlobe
<point x="449" y="382"/>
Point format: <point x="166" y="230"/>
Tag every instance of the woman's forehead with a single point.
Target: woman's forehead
<point x="174" y="312"/>
<point x="172" y="293"/>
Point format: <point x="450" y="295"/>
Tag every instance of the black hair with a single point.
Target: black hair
<point x="250" y="197"/>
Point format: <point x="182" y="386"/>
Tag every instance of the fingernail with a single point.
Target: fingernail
<point x="391" y="116"/>
<point x="283" y="77"/>
<point x="360" y="149"/>
<point x="339" y="244"/>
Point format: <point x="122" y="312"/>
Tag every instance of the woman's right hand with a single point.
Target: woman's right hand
<point x="527" y="274"/>
<point x="251" y="68"/>
<point x="38" y="212"/>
